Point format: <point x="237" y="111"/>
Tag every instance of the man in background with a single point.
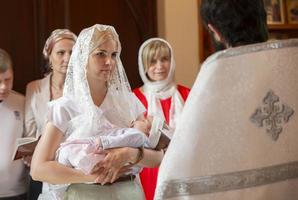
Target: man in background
<point x="13" y="178"/>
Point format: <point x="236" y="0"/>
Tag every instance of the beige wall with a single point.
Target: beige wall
<point x="178" y="24"/>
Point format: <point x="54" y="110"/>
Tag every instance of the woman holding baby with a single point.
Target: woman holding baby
<point x="96" y="89"/>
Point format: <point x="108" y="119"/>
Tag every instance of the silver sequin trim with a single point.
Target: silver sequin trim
<point x="229" y="181"/>
<point x="230" y="52"/>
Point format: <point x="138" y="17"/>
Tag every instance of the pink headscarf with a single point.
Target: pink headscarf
<point x="56" y="36"/>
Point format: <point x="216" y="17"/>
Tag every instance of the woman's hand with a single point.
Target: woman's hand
<point x="115" y="164"/>
<point x="96" y="172"/>
<point x="109" y="176"/>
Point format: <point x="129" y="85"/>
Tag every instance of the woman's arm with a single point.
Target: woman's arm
<point x="45" y="168"/>
<point x="117" y="159"/>
<point x="152" y="158"/>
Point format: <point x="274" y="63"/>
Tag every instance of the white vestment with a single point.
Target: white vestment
<point x="237" y="137"/>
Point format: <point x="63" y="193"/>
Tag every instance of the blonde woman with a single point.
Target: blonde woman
<point x="160" y="94"/>
<point x="57" y="51"/>
<point x="96" y="87"/>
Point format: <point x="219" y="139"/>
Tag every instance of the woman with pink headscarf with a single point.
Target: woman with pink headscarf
<point x="57" y="51"/>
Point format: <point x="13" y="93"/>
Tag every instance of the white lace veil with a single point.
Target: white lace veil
<point x="77" y="88"/>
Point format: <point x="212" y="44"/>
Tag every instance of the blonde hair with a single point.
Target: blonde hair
<point x="99" y="37"/>
<point x="154" y="50"/>
<point x="5" y="61"/>
<point x="56" y="36"/>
